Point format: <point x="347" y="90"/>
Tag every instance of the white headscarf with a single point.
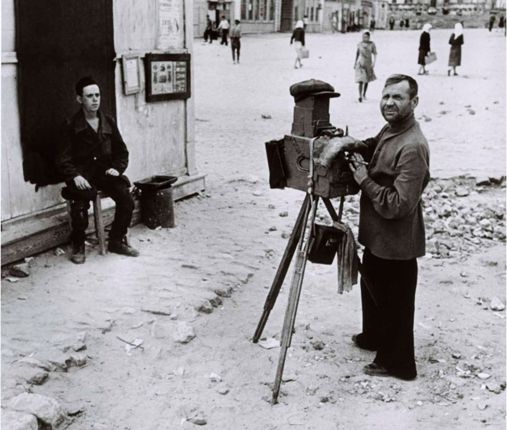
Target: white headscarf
<point x="300" y="24"/>
<point x="458" y="30"/>
<point x="427" y="27"/>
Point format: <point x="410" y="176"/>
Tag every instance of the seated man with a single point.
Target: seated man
<point x="93" y="156"/>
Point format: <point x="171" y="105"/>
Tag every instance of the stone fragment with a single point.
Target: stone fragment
<point x="494" y="387"/>
<point x="269" y="343"/>
<point x="499" y="232"/>
<point x="183" y="333"/>
<point x="157" y="310"/>
<point x="215" y="378"/>
<point x="471" y="111"/>
<point x="12" y="420"/>
<point x="462" y="192"/>
<point x="204" y="307"/>
<point x="265" y="116"/>
<point x="20" y="270"/>
<point x="483" y="375"/>
<point x="283" y="214"/>
<point x="272" y="228"/>
<point x="47" y="409"/>
<point x="318" y="345"/>
<point x="33" y="362"/>
<point x="482" y="405"/>
<point x="223" y="391"/>
<point x="34" y="376"/>
<point x="496" y="304"/>
<point x="482" y="180"/>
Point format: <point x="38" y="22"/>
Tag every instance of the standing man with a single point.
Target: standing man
<point x="224" y="27"/>
<point x="391" y="227"/>
<point x="93" y="156"/>
<point x="391" y="23"/>
<point x="235" y="40"/>
<point x="492" y="19"/>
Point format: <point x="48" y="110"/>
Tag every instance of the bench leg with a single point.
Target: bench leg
<point x="99" y="225"/>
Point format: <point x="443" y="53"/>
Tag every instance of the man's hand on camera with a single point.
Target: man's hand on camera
<point x="351" y="144"/>
<point x="82" y="183"/>
<point x="112" y="172"/>
<point x="359" y="171"/>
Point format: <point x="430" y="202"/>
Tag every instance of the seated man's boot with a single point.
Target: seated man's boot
<point x="121" y="247"/>
<point x="78" y="253"/>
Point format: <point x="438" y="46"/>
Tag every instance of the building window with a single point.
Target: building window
<point x="243" y="9"/>
<point x="258" y="10"/>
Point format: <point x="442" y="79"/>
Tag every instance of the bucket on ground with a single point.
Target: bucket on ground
<point x="157" y="207"/>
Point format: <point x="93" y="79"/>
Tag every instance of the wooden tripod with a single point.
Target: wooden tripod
<point x="302" y="242"/>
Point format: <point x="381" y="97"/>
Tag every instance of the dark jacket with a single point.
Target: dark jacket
<point x="456" y="41"/>
<point x="298" y="35"/>
<point x="391" y="221"/>
<point x="424" y="42"/>
<point x="82" y="151"/>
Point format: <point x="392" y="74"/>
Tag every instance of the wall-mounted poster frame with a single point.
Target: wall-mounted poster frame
<point x="131" y="65"/>
<point x="167" y="77"/>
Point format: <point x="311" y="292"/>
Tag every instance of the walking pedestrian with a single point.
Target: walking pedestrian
<point x="407" y="23"/>
<point x="224" y="28"/>
<point x="298" y="37"/>
<point x="366" y="56"/>
<point x="491" y="22"/>
<point x="235" y="35"/>
<point x="455" y="41"/>
<point x="391" y="227"/>
<point x="208" y="33"/>
<point x="391" y="23"/>
<point x="402" y="23"/>
<point x="372" y="25"/>
<point x="501" y="22"/>
<point x="424" y="48"/>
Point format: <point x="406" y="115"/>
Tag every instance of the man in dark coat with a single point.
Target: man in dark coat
<point x="93" y="156"/>
<point x="391" y="227"/>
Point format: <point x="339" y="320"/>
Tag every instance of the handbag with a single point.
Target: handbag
<point x="305" y="53"/>
<point x="431" y="57"/>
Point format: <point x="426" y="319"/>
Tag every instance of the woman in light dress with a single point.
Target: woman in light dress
<point x="366" y="56"/>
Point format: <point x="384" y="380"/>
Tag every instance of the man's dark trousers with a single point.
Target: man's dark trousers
<point x="116" y="187"/>
<point x="225" y="32"/>
<point x="389" y="328"/>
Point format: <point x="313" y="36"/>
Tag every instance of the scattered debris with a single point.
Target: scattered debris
<point x="20" y="270"/>
<point x="269" y="343"/>
<point x="215" y="378"/>
<point x="496" y="304"/>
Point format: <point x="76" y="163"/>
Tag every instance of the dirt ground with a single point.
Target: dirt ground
<point x="213" y="271"/>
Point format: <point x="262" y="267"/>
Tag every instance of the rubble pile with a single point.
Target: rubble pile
<point x="456" y="225"/>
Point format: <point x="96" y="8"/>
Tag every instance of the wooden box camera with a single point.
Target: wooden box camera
<point x="289" y="158"/>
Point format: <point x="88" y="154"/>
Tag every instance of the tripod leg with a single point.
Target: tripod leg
<point x="282" y="270"/>
<point x="330" y="208"/>
<point x="294" y="295"/>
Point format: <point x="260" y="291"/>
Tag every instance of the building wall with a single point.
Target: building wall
<point x="159" y="135"/>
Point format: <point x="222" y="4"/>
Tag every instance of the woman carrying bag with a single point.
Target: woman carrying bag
<point x="366" y="55"/>
<point x="298" y="37"/>
<point x="424" y="48"/>
<point x="455" y="41"/>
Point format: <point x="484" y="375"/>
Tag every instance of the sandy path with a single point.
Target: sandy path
<point x="222" y="246"/>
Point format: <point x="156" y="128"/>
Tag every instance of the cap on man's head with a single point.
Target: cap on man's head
<point x="84" y="82"/>
<point x="312" y="87"/>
